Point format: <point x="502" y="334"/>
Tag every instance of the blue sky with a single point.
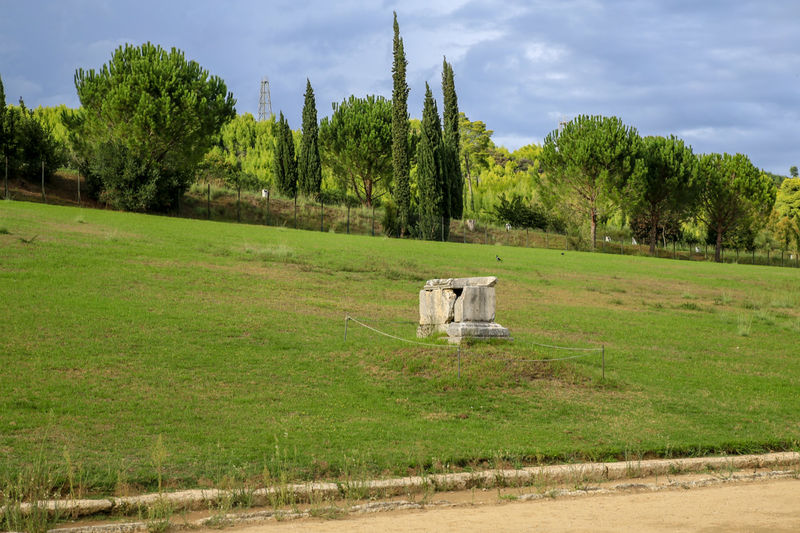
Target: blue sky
<point x="724" y="75"/>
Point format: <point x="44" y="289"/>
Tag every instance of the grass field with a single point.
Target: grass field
<point x="225" y="343"/>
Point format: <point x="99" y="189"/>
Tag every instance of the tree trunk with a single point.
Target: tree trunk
<point x="653" y="236"/>
<point x="594" y="225"/>
<point x="718" y="246"/>
<point x="469" y="180"/>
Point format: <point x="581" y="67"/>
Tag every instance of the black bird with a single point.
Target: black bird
<point x="498" y="258"/>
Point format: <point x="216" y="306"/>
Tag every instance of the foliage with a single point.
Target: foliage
<point x="430" y="181"/>
<point x="29" y="144"/>
<point x="284" y="163"/>
<point x="156" y="109"/>
<point x="785" y="217"/>
<point x="476" y="144"/>
<point x="56" y="120"/>
<point x="356" y="143"/>
<point x="588" y="162"/>
<point x="733" y="192"/>
<point x="520" y="213"/>
<point x="400" y="132"/>
<point x="309" y="167"/>
<point x="665" y="190"/>
<point x="793" y="171"/>
<point x="451" y="160"/>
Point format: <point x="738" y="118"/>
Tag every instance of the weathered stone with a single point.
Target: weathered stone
<point x="476" y="304"/>
<point x="436" y="306"/>
<point x="459" y="283"/>
<point x="483" y="330"/>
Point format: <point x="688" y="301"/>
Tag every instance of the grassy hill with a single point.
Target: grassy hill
<point x="224" y="342"/>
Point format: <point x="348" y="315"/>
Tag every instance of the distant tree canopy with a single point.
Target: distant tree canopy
<point x="786" y="214"/>
<point x="284" y="163"/>
<point x="28" y="143"/>
<point x="148" y="118"/>
<point x="733" y="193"/>
<point x="433" y="201"/>
<point x="309" y="166"/>
<point x="520" y="213"/>
<point x="356" y="143"/>
<point x="665" y="188"/>
<point x="589" y="162"/>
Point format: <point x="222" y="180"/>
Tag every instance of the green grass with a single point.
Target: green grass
<point x="146" y="348"/>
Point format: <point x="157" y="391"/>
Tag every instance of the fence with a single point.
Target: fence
<point x="588" y="352"/>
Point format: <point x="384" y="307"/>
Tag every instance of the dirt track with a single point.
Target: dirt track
<point x="772" y="505"/>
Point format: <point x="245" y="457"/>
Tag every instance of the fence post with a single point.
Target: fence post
<point x="373" y="220"/>
<point x="6" y="179"/>
<point x="208" y="201"/>
<point x="603" y="347"/>
<point x="485" y="234"/>
<point x="546" y="239"/>
<point x="346" y="319"/>
<point x="464" y="228"/>
<point x="442" y="228"/>
<point x="268" y="213"/>
<point x="348" y="219"/>
<point x="79" y="190"/>
<point x="526" y="237"/>
<point x="459" y="361"/>
<point x="321" y="213"/>
<point x="622" y="247"/>
<point x="295" y="210"/>
<point x="44" y="198"/>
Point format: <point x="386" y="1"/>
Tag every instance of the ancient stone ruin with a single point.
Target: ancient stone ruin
<point x="460" y="307"/>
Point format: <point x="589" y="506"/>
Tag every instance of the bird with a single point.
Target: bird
<point x="498" y="258"/>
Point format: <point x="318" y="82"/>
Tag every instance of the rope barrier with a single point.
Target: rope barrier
<point x="602" y="349"/>
<point x="348" y="317"/>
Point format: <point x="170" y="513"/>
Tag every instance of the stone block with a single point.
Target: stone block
<point x="436" y="306"/>
<point x="476" y="304"/>
<point x="480" y="330"/>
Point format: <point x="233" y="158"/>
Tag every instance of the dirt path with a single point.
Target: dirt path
<point x="770" y="505"/>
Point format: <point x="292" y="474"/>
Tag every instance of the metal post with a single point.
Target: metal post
<point x="459" y="361"/>
<point x="622" y="247"/>
<point x="348" y="220"/>
<point x="674" y="253"/>
<point x="373" y="220"/>
<point x="208" y="201"/>
<point x="464" y="228"/>
<point x="268" y="213"/>
<point x="295" y="210"/>
<point x="604" y="361"/>
<point x="321" y="213"/>
<point x="79" y="190"/>
<point x="346" y="319"/>
<point x="546" y="239"/>
<point x="44" y="198"/>
<point x="6" y="179"/>
<point x="526" y="237"/>
<point x="485" y="234"/>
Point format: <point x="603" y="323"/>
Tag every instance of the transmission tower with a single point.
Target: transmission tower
<point x="265" y="101"/>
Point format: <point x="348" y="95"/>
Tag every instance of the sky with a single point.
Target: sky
<point x="723" y="75"/>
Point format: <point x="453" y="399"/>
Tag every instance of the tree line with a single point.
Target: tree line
<point x="151" y="123"/>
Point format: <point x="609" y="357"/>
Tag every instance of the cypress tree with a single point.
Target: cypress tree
<point x="3" y="136"/>
<point x="284" y="166"/>
<point x="451" y="159"/>
<point x="429" y="171"/>
<point x="309" y="167"/>
<point x="400" y="165"/>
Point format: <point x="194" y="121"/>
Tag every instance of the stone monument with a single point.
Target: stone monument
<point x="460" y="307"/>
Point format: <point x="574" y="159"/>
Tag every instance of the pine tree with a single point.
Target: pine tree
<point x="429" y="171"/>
<point x="309" y="168"/>
<point x="454" y="180"/>
<point x="284" y="167"/>
<point x="400" y="165"/>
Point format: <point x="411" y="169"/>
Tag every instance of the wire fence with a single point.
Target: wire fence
<point x="588" y="352"/>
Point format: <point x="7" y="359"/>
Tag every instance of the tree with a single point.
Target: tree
<point x="588" y="161"/>
<point x="157" y="110"/>
<point x="309" y="167"/>
<point x="732" y="191"/>
<point x="356" y="142"/>
<point x="451" y="160"/>
<point x="430" y="181"/>
<point x="520" y="213"/>
<point x="665" y="189"/>
<point x="475" y="145"/>
<point x="29" y="145"/>
<point x="284" y="162"/>
<point x="786" y="214"/>
<point x="400" y="164"/>
<point x="3" y="128"/>
<point x="793" y="171"/>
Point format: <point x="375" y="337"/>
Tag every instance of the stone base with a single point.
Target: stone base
<point x="476" y="330"/>
<point x="426" y="330"/>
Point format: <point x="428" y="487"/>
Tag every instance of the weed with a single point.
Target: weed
<point x="508" y="497"/>
<point x="159" y="515"/>
<point x="722" y="299"/>
<point x="23" y="240"/>
<point x="4" y="231"/>
<point x="745" y="324"/>
<point x="158" y="454"/>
